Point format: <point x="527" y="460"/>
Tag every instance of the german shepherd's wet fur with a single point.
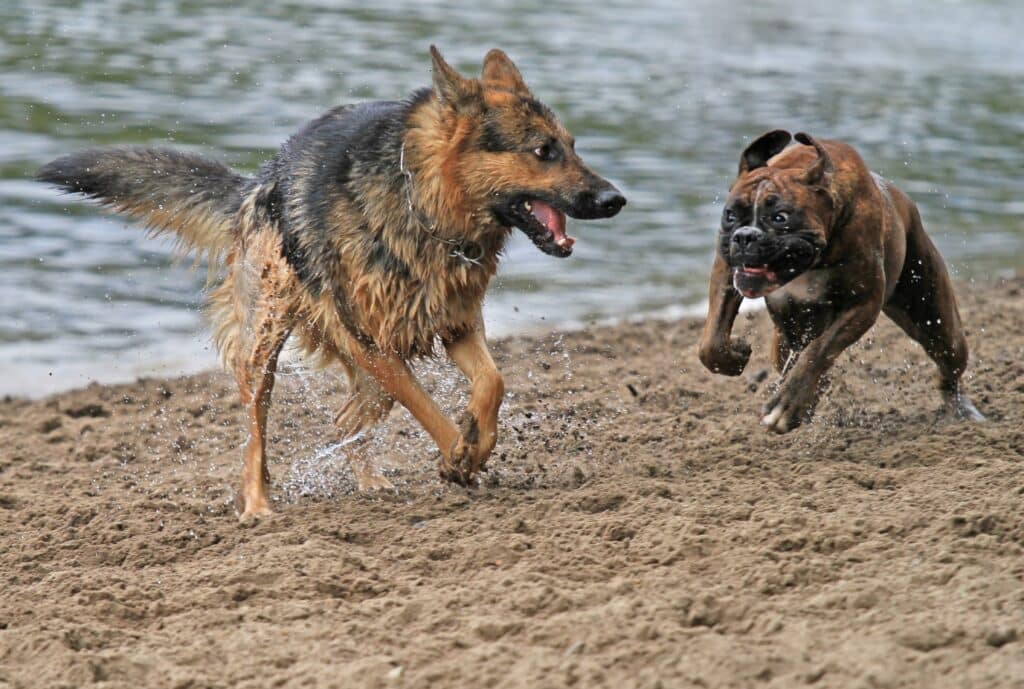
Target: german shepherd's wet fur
<point x="373" y="232"/>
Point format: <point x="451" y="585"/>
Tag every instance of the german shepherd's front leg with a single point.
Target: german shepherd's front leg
<point x="395" y="378"/>
<point x="479" y="423"/>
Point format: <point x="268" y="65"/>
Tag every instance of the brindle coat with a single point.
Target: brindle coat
<point x="374" y="232"/>
<point x="841" y="245"/>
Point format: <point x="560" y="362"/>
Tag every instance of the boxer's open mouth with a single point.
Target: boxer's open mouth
<point x="754" y="281"/>
<point x="759" y="271"/>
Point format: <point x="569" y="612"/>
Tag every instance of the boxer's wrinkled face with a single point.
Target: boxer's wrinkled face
<point x="775" y="221"/>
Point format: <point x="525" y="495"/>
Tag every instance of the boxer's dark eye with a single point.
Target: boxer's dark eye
<point x="728" y="217"/>
<point x="780" y="218"/>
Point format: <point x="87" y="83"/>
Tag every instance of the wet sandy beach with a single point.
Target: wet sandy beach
<point x="636" y="529"/>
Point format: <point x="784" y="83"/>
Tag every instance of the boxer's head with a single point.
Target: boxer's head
<point x="776" y="221"/>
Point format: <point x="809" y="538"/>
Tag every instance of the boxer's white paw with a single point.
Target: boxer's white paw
<point x="961" y="407"/>
<point x="791" y="406"/>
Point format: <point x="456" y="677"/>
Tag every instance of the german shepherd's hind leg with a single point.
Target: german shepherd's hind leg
<point x="255" y="376"/>
<point x="368" y="477"/>
<point x="479" y="423"/>
<point x="254" y="312"/>
<point x="924" y="306"/>
<point x="365" y="407"/>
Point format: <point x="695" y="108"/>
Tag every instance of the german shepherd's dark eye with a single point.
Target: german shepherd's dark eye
<point x="546" y="152"/>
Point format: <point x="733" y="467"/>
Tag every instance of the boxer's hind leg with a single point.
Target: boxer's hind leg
<point x="939" y="332"/>
<point x="924" y="306"/>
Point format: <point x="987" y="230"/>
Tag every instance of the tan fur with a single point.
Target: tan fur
<point x="196" y="226"/>
<point x="195" y="230"/>
<point x="368" y="274"/>
<point x="402" y="317"/>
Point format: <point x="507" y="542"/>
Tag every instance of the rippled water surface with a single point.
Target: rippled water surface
<point x="662" y="98"/>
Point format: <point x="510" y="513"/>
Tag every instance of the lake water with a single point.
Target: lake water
<point x="662" y="98"/>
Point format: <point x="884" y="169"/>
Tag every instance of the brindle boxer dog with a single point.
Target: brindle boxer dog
<point x="829" y="245"/>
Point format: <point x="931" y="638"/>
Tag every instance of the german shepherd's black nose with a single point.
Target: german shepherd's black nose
<point x="604" y="203"/>
<point x="609" y="202"/>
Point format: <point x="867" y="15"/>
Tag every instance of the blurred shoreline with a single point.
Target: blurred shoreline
<point x="173" y="362"/>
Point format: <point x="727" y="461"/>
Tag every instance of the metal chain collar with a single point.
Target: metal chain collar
<point x="469" y="253"/>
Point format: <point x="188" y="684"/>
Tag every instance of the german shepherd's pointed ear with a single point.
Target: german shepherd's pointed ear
<point x="821" y="170"/>
<point x="500" y="73"/>
<point x="760" y="151"/>
<point x="451" y="87"/>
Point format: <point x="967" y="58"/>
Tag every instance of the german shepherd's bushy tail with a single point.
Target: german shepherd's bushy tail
<point x="172" y="192"/>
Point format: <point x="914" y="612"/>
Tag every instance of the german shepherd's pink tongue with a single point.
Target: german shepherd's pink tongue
<point x="554" y="220"/>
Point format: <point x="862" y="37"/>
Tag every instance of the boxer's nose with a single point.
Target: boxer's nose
<point x="745" y="236"/>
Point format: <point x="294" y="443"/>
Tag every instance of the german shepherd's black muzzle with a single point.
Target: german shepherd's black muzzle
<point x="542" y="216"/>
<point x="597" y="203"/>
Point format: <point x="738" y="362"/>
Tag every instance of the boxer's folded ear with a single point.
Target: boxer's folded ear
<point x="762" y="149"/>
<point x="821" y="170"/>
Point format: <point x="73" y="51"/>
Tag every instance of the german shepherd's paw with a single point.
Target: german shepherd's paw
<point x="368" y="477"/>
<point x="251" y="510"/>
<point x="465" y="459"/>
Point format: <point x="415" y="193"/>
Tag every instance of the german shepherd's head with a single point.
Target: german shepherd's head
<point x="512" y="161"/>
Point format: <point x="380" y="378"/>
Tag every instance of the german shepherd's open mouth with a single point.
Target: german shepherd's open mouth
<point x="542" y="222"/>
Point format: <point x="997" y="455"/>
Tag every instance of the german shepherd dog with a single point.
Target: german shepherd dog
<point x="372" y="233"/>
